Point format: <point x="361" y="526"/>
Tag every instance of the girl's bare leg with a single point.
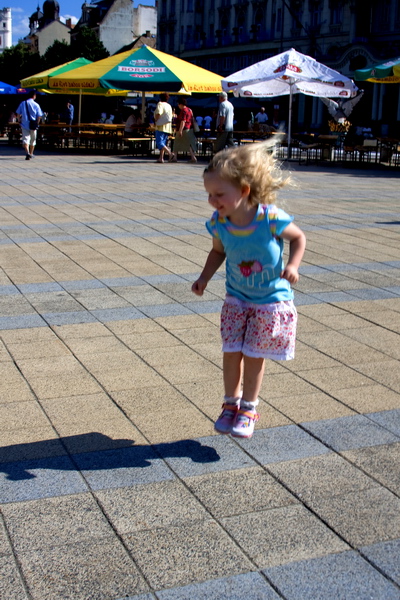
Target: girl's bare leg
<point x="252" y="377"/>
<point x="233" y="368"/>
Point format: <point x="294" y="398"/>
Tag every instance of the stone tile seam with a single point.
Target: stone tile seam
<point x="155" y="594"/>
<point x="242" y="448"/>
<point x="36" y="239"/>
<point x="315" y="513"/>
<point x="305" y="270"/>
<point x="198" y="220"/>
<point x="217" y="520"/>
<point x="356" y="295"/>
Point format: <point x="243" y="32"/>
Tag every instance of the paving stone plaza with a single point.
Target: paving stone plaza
<point x="113" y="483"/>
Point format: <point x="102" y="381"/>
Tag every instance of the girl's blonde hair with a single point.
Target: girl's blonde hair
<point x="251" y="165"/>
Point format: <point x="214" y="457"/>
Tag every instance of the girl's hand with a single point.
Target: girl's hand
<point x="199" y="286"/>
<point x="290" y="273"/>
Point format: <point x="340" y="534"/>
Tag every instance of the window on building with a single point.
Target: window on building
<point x="315" y="8"/>
<point x="189" y="6"/>
<point x="384" y="11"/>
<point x="224" y="25"/>
<point x="162" y="40"/>
<point x="259" y="17"/>
<point x="171" y="40"/>
<point x="182" y="37"/>
<point x="296" y="13"/>
<point x="228" y="63"/>
<point x="241" y="19"/>
<point x="279" y="19"/>
<point x="189" y="33"/>
<point x="336" y="12"/>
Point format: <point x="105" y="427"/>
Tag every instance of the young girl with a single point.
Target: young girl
<point x="258" y="318"/>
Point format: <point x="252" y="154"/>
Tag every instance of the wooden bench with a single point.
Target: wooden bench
<point x="139" y="145"/>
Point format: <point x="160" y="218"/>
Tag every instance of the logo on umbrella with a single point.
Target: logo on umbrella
<point x="290" y="67"/>
<point x="141" y="62"/>
<point x="141" y="69"/>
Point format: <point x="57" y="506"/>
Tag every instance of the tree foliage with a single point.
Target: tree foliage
<point x="17" y="62"/>
<point x="57" y="54"/>
<point x="86" y="44"/>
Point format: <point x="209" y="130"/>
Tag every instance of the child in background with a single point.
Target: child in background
<point x="258" y="318"/>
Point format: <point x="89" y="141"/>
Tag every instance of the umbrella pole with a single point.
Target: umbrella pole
<point x="80" y="106"/>
<point x="289" y="147"/>
<point x="143" y="106"/>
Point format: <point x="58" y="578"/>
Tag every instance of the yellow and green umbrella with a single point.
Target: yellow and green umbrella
<point x="42" y="81"/>
<point x="142" y="69"/>
<point x="386" y="72"/>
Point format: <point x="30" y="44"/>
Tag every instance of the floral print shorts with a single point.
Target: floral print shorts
<point x="259" y="330"/>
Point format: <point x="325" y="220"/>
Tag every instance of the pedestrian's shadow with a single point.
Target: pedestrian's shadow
<point x="94" y="451"/>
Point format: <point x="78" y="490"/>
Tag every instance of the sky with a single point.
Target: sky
<point x="21" y="10"/>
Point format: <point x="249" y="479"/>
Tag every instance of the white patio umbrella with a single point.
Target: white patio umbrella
<point x="289" y="73"/>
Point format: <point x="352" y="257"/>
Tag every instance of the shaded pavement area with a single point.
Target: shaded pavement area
<point x="113" y="483"/>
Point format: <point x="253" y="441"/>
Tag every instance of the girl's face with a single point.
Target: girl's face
<point x="225" y="197"/>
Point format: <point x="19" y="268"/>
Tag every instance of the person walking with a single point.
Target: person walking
<point x="163" y="125"/>
<point x="69" y="113"/>
<point x="29" y="114"/>
<point x="224" y="123"/>
<point x="262" y="120"/>
<point x="185" y="140"/>
<point x="258" y="318"/>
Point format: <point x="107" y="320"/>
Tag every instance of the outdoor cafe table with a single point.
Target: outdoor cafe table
<point x="92" y="135"/>
<point x="102" y="136"/>
<point x="388" y="150"/>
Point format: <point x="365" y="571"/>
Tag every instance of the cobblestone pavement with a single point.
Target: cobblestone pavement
<point x="113" y="483"/>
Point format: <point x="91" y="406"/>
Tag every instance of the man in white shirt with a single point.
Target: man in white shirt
<point x="28" y="111"/>
<point x="224" y="123"/>
<point x="163" y="125"/>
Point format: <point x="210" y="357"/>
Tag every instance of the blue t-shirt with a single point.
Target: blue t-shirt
<point x="70" y="112"/>
<point x="254" y="258"/>
<point x="32" y="112"/>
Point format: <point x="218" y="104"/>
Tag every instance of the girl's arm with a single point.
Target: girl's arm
<point x="297" y="246"/>
<point x="214" y="260"/>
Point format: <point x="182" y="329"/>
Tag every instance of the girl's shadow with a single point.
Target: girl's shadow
<point x="94" y="451"/>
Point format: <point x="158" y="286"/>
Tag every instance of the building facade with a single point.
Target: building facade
<point x="225" y="36"/>
<point x="45" y="28"/>
<point x="5" y="29"/>
<point x="117" y="22"/>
